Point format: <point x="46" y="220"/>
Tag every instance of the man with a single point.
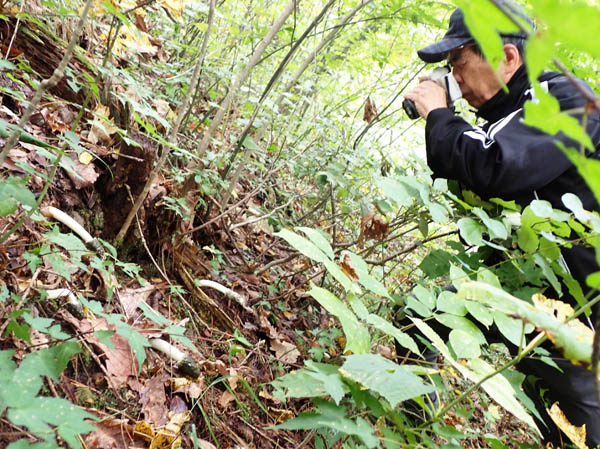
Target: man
<point x="505" y="158"/>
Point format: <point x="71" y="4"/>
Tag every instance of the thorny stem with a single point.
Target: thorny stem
<point x="46" y="84"/>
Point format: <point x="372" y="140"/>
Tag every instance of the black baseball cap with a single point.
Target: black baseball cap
<point x="457" y="35"/>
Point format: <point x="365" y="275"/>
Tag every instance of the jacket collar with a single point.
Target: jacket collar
<point x="505" y="102"/>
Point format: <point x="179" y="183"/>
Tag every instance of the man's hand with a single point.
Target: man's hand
<point x="427" y="96"/>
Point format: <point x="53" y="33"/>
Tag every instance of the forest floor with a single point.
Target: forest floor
<point x="243" y="341"/>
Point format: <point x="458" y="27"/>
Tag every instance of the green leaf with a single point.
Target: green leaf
<point x="512" y="329"/>
<point x="497" y="387"/>
<point x="485" y="21"/>
<point x="438" y="212"/>
<point x="496" y="229"/>
<point x="59" y="265"/>
<point x="575" y="342"/>
<point x="303" y="384"/>
<point x="388" y="328"/>
<point x="319" y="239"/>
<point x="541" y="262"/>
<point x="68" y="419"/>
<point x="479" y="312"/>
<point x="365" y="279"/>
<point x="394" y="382"/>
<point x="331" y="381"/>
<point x="52" y="361"/>
<point x="448" y="302"/>
<point x="24" y="444"/>
<point x="16" y="188"/>
<point x="436" y="263"/>
<point x="395" y="191"/>
<point x="539" y="51"/>
<point x="464" y="345"/>
<point x="462" y="323"/>
<point x="7" y="207"/>
<point x="571" y="23"/>
<point x="69" y="241"/>
<point x="105" y="337"/>
<point x="588" y="168"/>
<point x="152" y="314"/>
<point x="334" y="417"/>
<point x="527" y="239"/>
<point x="341" y="277"/>
<point x="357" y="337"/>
<point x="304" y="246"/>
<point x="545" y="115"/>
<point x="470" y="231"/>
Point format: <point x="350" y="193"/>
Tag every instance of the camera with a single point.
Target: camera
<point x="444" y="78"/>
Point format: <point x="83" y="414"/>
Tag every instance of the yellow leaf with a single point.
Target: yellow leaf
<point x="85" y="158"/>
<point x="143" y="429"/>
<point x="561" y="311"/>
<point x="576" y="434"/>
<point x="175" y="7"/>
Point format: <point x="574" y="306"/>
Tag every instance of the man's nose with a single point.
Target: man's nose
<point x="457" y="76"/>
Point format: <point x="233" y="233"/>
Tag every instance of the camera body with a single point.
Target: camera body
<point x="442" y="76"/>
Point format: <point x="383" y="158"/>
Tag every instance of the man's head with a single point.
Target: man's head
<point x="476" y="78"/>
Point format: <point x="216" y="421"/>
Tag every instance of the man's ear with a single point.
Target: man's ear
<point x="512" y="57"/>
<point x="511" y="63"/>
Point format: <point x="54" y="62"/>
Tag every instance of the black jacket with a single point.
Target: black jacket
<point x="507" y="159"/>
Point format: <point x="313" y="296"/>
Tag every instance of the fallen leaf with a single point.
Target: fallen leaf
<point x="113" y="433"/>
<point x="119" y="362"/>
<point x="576" y="434"/>
<point x="130" y="298"/>
<point x="84" y="176"/>
<point x="85" y="158"/>
<point x="284" y="351"/>
<point x="226" y="399"/>
<point x="169" y="436"/>
<point x="102" y="125"/>
<point x="175" y="7"/>
<point x="144" y="430"/>
<point x="154" y="401"/>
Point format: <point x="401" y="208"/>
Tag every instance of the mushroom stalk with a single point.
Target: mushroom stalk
<point x="73" y="304"/>
<point x="184" y="363"/>
<point x="90" y="242"/>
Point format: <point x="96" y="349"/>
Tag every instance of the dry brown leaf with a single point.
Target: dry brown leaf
<point x="130" y="298"/>
<point x="102" y="126"/>
<point x="348" y="268"/>
<point x="87" y="174"/>
<point x="214" y="368"/>
<point x="373" y="226"/>
<point x="113" y="433"/>
<point x="370" y="111"/>
<point x="576" y="434"/>
<point x="203" y="444"/>
<point x="284" y="351"/>
<point x="226" y="399"/>
<point x="119" y="362"/>
<point x="154" y="401"/>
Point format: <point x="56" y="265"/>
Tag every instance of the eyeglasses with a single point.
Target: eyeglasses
<point x="457" y="59"/>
